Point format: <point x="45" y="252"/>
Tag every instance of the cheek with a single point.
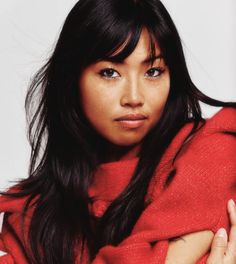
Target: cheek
<point x="93" y="104"/>
<point x="95" y="100"/>
<point x="157" y="100"/>
<point x="159" y="95"/>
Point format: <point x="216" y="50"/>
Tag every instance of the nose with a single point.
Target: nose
<point x="132" y="95"/>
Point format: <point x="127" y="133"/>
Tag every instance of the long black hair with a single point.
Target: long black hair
<point x="65" y="147"/>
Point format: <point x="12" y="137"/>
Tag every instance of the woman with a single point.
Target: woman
<point x="124" y="169"/>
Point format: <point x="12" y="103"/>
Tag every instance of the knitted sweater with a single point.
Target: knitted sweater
<point x="195" y="200"/>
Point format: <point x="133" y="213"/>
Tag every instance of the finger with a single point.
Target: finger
<point x="218" y="247"/>
<point x="231" y="249"/>
<point x="230" y="254"/>
<point x="232" y="216"/>
<point x="232" y="211"/>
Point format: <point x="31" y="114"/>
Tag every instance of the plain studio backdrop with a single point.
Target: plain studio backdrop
<point x="29" y="30"/>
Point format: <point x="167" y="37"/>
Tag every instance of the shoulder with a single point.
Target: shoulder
<point x="11" y="204"/>
<point x="223" y="121"/>
<point x="216" y="139"/>
<point x="213" y="144"/>
<point x="212" y="150"/>
<point x="12" y="239"/>
<point x="214" y="132"/>
<point x="208" y="153"/>
<point x="13" y="208"/>
<point x="206" y="163"/>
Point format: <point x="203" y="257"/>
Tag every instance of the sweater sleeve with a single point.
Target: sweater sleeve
<point x="195" y="200"/>
<point x="11" y="244"/>
<point x="5" y="258"/>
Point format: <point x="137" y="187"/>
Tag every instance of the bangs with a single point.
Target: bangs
<point x="125" y="48"/>
<point x="117" y="47"/>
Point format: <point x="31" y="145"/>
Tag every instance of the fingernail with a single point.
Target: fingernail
<point x="232" y="203"/>
<point x="221" y="232"/>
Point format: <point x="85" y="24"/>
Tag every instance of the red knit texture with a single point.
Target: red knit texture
<point x="195" y="200"/>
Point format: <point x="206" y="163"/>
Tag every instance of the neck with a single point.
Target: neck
<point x="110" y="152"/>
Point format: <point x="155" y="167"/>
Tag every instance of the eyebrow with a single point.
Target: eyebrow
<point x="145" y="61"/>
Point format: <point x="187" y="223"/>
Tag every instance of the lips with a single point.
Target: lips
<point x="131" y="117"/>
<point x="131" y="120"/>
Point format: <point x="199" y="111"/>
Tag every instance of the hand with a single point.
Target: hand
<point x="223" y="251"/>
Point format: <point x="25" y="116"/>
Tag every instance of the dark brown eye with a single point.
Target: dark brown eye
<point x="155" y="72"/>
<point x="109" y="73"/>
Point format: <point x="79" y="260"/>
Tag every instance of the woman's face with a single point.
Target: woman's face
<point x="123" y="101"/>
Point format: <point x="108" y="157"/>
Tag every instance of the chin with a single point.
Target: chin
<point x="126" y="142"/>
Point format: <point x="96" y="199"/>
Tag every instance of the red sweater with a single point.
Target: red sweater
<point x="195" y="200"/>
